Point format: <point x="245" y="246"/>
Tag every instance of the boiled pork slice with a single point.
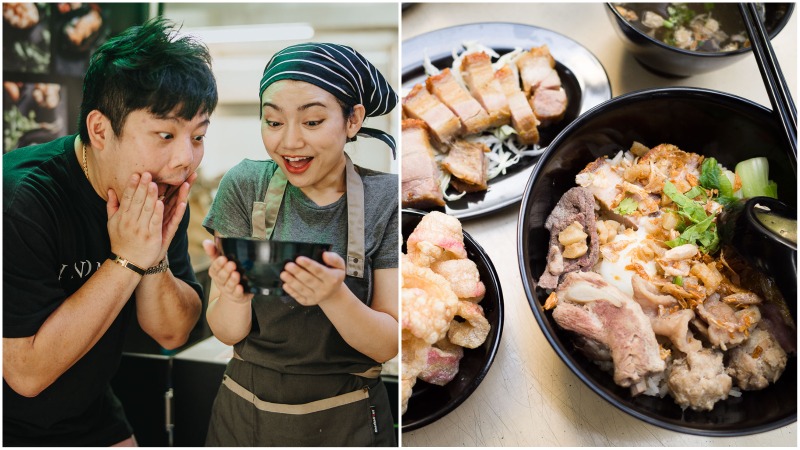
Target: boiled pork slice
<point x="592" y="308"/>
<point x="522" y="118"/>
<point x="727" y="326"/>
<point x="420" y="104"/>
<point x="478" y="74"/>
<point x="474" y="119"/>
<point x="468" y="163"/>
<point x="420" y="182"/>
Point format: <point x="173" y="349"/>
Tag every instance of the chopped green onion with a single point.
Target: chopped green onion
<point x="677" y="280"/>
<point x="626" y="206"/>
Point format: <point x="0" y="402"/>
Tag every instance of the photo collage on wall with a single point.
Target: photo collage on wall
<point x="45" y="55"/>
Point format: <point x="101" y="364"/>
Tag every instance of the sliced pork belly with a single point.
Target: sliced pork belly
<point x="576" y="205"/>
<point x="478" y="74"/>
<point x="468" y="163"/>
<point x="442" y="123"/>
<point x="444" y="86"/>
<point x="549" y="105"/>
<point x="592" y="308"/>
<point x="537" y="70"/>
<point x="420" y="182"/>
<point x="522" y="118"/>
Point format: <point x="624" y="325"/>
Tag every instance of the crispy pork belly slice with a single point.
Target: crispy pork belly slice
<point x="468" y="163"/>
<point x="422" y="105"/>
<point x="589" y="306"/>
<point x="699" y="380"/>
<point x="576" y="205"/>
<point x="478" y="74"/>
<point x="444" y="86"/>
<point x="522" y="118"/>
<point x="549" y="105"/>
<point x="759" y="361"/>
<point x="537" y="70"/>
<point x="605" y="182"/>
<point x="420" y="173"/>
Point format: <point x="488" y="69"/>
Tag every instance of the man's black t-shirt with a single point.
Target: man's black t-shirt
<point x="54" y="238"/>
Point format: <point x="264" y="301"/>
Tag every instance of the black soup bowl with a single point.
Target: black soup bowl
<point x="260" y="262"/>
<point x="667" y="60"/>
<point x="428" y="402"/>
<point x="710" y="123"/>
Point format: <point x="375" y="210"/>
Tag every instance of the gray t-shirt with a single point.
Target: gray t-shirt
<point x="301" y="220"/>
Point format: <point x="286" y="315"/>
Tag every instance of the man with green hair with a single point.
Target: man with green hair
<point x="95" y="232"/>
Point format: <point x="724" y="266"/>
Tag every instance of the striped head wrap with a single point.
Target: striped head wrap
<point x="340" y="70"/>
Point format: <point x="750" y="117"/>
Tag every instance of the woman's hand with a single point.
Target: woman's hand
<point x="224" y="275"/>
<point x="311" y="283"/>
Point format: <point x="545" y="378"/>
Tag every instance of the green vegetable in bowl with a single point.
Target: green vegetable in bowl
<point x="754" y="173"/>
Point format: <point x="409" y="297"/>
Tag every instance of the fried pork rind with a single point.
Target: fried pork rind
<point x="428" y="303"/>
<point x="463" y="277"/>
<point x="437" y="237"/>
<point x="413" y="360"/>
<point x="471" y="333"/>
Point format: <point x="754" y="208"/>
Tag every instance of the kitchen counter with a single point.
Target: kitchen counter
<point x="530" y="397"/>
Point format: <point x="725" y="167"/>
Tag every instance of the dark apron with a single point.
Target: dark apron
<point x="258" y="406"/>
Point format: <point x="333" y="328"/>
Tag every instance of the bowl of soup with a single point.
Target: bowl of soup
<point x="684" y="39"/>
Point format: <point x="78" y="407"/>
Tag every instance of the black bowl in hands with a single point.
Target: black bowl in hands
<point x="667" y="60"/>
<point x="260" y="262"/>
<point x="710" y="123"/>
<point x="428" y="402"/>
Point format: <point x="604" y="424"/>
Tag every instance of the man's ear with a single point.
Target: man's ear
<point x="99" y="127"/>
<point x="356" y="120"/>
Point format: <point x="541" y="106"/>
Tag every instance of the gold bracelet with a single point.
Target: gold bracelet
<point x="125" y="263"/>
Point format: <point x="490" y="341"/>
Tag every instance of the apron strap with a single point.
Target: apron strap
<point x="304" y="408"/>
<point x="265" y="215"/>
<point x="355" y="222"/>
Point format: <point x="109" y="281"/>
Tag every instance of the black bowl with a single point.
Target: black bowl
<point x="428" y="402"/>
<point x="260" y="262"/>
<point x="665" y="59"/>
<point x="702" y="121"/>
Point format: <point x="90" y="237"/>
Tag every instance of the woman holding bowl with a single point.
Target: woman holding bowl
<point x="306" y="370"/>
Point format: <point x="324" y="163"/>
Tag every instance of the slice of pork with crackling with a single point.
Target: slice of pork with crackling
<point x="576" y="205"/>
<point x="549" y="105"/>
<point x="537" y="70"/>
<point x="478" y="74"/>
<point x="522" y="118"/>
<point x="592" y="308"/>
<point x="420" y="104"/>
<point x="468" y="163"/>
<point x="420" y="183"/>
<point x="474" y="119"/>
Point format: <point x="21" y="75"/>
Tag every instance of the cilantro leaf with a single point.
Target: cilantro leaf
<point x="626" y="206"/>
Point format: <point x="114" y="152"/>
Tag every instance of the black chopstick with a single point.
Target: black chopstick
<point x="779" y="96"/>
